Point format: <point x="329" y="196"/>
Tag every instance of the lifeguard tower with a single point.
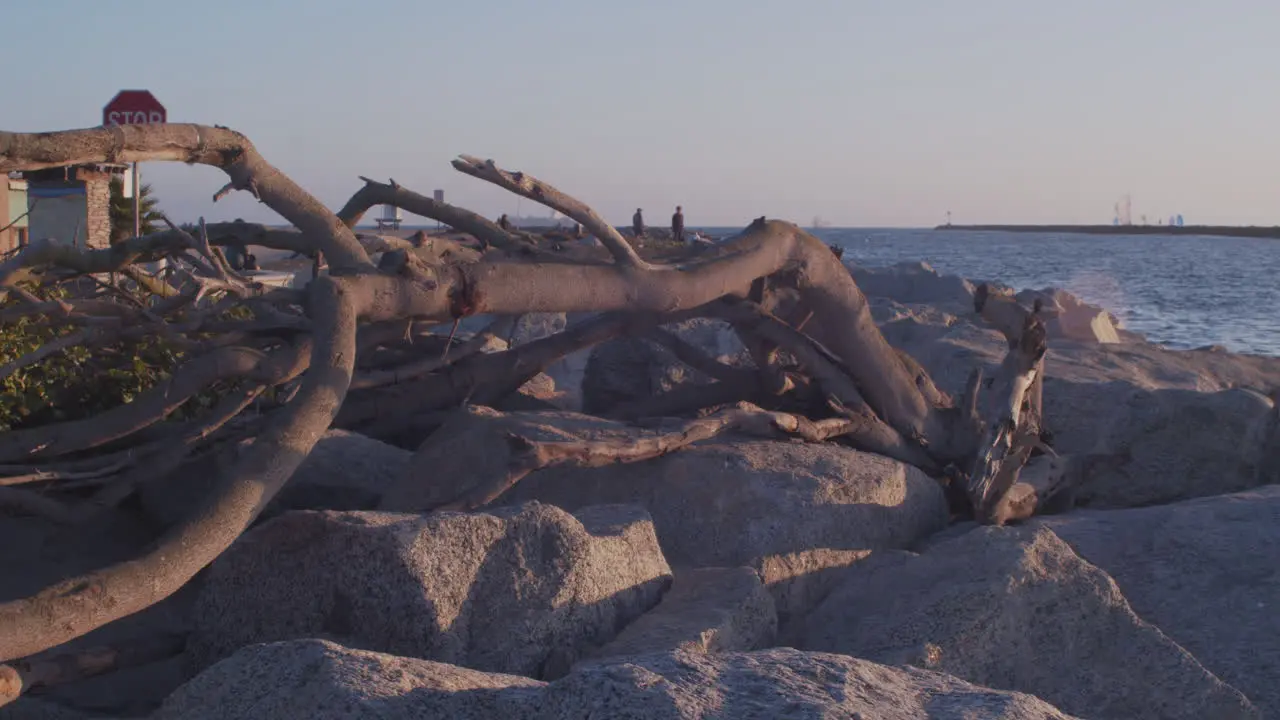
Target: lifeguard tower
<point x="391" y="218"/>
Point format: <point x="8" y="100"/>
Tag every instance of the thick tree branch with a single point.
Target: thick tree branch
<point x="695" y="358"/>
<point x="48" y="671"/>
<point x="528" y="455"/>
<point x="540" y="192"/>
<point x="149" y="407"/>
<point x="837" y="380"/>
<point x="75" y="606"/>
<point x="47" y="252"/>
<point x="765" y="248"/>
<point x="376" y="193"/>
<point x="219" y="147"/>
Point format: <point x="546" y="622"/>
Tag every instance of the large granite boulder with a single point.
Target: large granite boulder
<point x="800" y="581"/>
<point x="308" y="679"/>
<point x="913" y="282"/>
<point x="720" y="503"/>
<point x="706" y="610"/>
<point x="522" y="590"/>
<point x="1068" y="317"/>
<point x="1205" y="571"/>
<point x="1017" y="609"/>
<point x="1163" y="446"/>
<point x="344" y="471"/>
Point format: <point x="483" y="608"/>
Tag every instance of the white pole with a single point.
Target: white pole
<point x="137" y="203"/>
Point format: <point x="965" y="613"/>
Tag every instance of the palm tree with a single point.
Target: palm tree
<point x="122" y="211"/>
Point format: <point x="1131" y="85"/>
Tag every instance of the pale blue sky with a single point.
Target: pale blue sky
<point x="864" y="113"/>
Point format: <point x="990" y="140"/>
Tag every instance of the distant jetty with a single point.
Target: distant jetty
<point x="1254" y="231"/>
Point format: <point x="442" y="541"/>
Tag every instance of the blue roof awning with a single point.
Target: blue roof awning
<point x="54" y="192"/>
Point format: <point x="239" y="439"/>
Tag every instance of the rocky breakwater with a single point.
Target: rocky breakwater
<point x="739" y="576"/>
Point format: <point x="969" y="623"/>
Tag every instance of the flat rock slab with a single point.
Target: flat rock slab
<point x="706" y="610"/>
<point x="1015" y="608"/>
<point x="308" y="679"/>
<point x="523" y="590"/>
<point x="1206" y="571"/>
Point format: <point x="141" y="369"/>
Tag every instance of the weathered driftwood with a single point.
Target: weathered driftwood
<point x="528" y="455"/>
<point x="18" y="678"/>
<point x="306" y="344"/>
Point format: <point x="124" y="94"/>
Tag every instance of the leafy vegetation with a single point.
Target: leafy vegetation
<point x="80" y="382"/>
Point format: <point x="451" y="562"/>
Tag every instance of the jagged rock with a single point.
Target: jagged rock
<point x="535" y="326"/>
<point x="538" y="394"/>
<point x="344" y="471"/>
<point x="1067" y="316"/>
<point x="1205" y="572"/>
<point x="800" y="581"/>
<point x="1016" y="608"/>
<point x="1168" y="445"/>
<point x="913" y="282"/>
<point x="309" y="679"/>
<point x="632" y="368"/>
<point x="522" y="590"/>
<point x="706" y="610"/>
<point x="721" y="503"/>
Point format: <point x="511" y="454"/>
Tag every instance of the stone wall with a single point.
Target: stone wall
<point x="97" y="191"/>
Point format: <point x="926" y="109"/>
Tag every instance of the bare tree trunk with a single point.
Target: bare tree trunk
<point x="884" y="402"/>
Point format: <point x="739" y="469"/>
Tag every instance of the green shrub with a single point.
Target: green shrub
<point x="80" y="382"/>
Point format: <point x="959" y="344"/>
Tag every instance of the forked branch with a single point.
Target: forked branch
<point x="540" y="192"/>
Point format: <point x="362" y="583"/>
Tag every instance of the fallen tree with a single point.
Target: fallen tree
<point x="355" y="347"/>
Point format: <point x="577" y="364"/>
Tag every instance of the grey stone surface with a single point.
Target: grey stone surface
<point x="632" y="368"/>
<point x="522" y="590"/>
<point x="800" y="581"/>
<point x="1017" y="609"/>
<point x="706" y="610"/>
<point x="344" y="471"/>
<point x="913" y="282"/>
<point x="727" y="502"/>
<point x="721" y="503"/>
<point x="1162" y="446"/>
<point x="310" y="679"/>
<point x="1206" y="572"/>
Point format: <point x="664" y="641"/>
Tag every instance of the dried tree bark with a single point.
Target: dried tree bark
<point x="883" y="399"/>
<point x="528" y="455"/>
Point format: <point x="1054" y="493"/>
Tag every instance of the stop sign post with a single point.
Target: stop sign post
<point x="134" y="107"/>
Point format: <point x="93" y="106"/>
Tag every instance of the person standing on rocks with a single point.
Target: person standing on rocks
<point x="504" y="223"/>
<point x="637" y="223"/>
<point x="677" y="225"/>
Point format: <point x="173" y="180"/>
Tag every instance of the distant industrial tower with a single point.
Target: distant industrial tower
<point x="391" y="218"/>
<point x="1124" y="212"/>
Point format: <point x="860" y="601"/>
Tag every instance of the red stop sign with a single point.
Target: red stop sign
<point x="134" y="107"/>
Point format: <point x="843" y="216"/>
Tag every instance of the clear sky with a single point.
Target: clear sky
<point x="884" y="113"/>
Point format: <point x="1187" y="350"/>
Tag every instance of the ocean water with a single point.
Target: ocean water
<point x="1184" y="292"/>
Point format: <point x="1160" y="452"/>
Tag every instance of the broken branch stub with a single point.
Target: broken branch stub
<point x="1005" y="444"/>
